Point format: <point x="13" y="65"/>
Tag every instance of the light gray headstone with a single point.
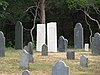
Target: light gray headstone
<point x="26" y="72"/>
<point x="71" y="54"/>
<point x="18" y="35"/>
<point x="2" y="44"/>
<point x="44" y="50"/>
<point x="78" y="36"/>
<point x="96" y="44"/>
<point x="24" y="59"/>
<point x="60" y="68"/>
<point x="83" y="61"/>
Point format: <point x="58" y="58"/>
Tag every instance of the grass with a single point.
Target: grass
<point x="9" y="65"/>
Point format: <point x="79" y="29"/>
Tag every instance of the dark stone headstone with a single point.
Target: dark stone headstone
<point x="71" y="54"/>
<point x="2" y="44"/>
<point x="60" y="68"/>
<point x="44" y="50"/>
<point x="26" y="72"/>
<point x="18" y="35"/>
<point x="78" y="36"/>
<point x="96" y="44"/>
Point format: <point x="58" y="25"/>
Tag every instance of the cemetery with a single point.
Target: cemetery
<point x="43" y="45"/>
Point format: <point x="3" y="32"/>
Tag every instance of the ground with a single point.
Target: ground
<point x="9" y="65"/>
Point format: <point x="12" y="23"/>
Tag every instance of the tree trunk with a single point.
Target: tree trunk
<point x="42" y="11"/>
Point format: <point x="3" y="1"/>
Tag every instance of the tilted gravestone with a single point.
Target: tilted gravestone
<point x="62" y="44"/>
<point x="2" y="44"/>
<point x="96" y="44"/>
<point x="24" y="59"/>
<point x="18" y="35"/>
<point x="26" y="72"/>
<point x="44" y="50"/>
<point x="83" y="61"/>
<point x="60" y="68"/>
<point x="78" y="36"/>
<point x="52" y="36"/>
<point x="71" y="54"/>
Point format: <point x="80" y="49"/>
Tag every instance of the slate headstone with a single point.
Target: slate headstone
<point x="60" y="68"/>
<point x="26" y="72"/>
<point x="78" y="36"/>
<point x="30" y="48"/>
<point x="96" y="44"/>
<point x="2" y="44"/>
<point x="71" y="54"/>
<point x="18" y="35"/>
<point x="83" y="61"/>
<point x="44" y="50"/>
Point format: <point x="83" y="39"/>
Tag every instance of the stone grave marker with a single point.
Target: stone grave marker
<point x="44" y="50"/>
<point x="2" y="44"/>
<point x="78" y="36"/>
<point x="71" y="54"/>
<point x="86" y="47"/>
<point x="18" y="35"/>
<point x="83" y="61"/>
<point x="60" y="68"/>
<point x="52" y="37"/>
<point x="96" y="44"/>
<point x="40" y="36"/>
<point x="26" y="72"/>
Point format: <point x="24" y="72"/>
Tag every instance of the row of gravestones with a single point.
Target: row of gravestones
<point x="60" y="68"/>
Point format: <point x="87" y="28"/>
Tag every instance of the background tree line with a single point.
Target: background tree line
<point x="65" y="12"/>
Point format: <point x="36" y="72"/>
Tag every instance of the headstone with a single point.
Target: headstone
<point x="2" y="44"/>
<point x="44" y="50"/>
<point x="86" y="47"/>
<point x="40" y="36"/>
<point x="24" y="59"/>
<point x="60" y="68"/>
<point x="52" y="37"/>
<point x="84" y="61"/>
<point x="71" y="54"/>
<point x="26" y="72"/>
<point x="62" y="44"/>
<point x="78" y="36"/>
<point x="18" y="35"/>
<point x="96" y="44"/>
<point x="30" y="48"/>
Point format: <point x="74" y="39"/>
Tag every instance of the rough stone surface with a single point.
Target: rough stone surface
<point x="2" y="44"/>
<point x="84" y="61"/>
<point x="78" y="36"/>
<point x="86" y="47"/>
<point x="71" y="54"/>
<point x="44" y="50"/>
<point x="18" y="35"/>
<point x="60" y="68"/>
<point x="26" y="72"/>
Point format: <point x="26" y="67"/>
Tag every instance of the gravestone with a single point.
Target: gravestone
<point x="18" y="35"/>
<point x="60" y="68"/>
<point x="86" y="47"/>
<point x="84" y="61"/>
<point x="44" y="50"/>
<point x="52" y="37"/>
<point x="30" y="48"/>
<point x="96" y="44"/>
<point x="26" y="72"/>
<point x="62" y="44"/>
<point x="71" y="54"/>
<point x="2" y="44"/>
<point x="24" y="59"/>
<point x="78" y="36"/>
<point x="40" y="36"/>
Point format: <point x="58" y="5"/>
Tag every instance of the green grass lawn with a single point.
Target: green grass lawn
<point x="9" y="65"/>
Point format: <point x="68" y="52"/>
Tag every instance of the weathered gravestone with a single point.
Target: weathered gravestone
<point x="2" y="44"/>
<point x="84" y="61"/>
<point x="44" y="50"/>
<point x="18" y="35"/>
<point x="26" y="72"/>
<point x="96" y="44"/>
<point x="60" y="68"/>
<point x="62" y="44"/>
<point x="86" y="47"/>
<point x="40" y="36"/>
<point x="52" y="37"/>
<point x="71" y="54"/>
<point x="24" y="59"/>
<point x="78" y="36"/>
